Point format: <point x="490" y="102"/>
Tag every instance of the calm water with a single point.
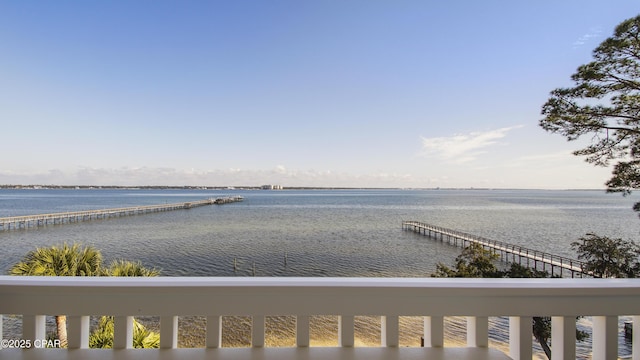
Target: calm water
<point x="322" y="233"/>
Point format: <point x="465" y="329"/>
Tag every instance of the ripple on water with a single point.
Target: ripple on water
<point x="322" y="233"/>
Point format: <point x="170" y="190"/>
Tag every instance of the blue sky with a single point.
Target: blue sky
<point x="298" y="93"/>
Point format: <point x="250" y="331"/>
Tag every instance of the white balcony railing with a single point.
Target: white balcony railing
<point x="168" y="298"/>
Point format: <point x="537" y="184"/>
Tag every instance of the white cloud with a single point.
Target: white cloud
<point x="280" y="169"/>
<point x="593" y="33"/>
<point x="465" y="147"/>
<point x="139" y="176"/>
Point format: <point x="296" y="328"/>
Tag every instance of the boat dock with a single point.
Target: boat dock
<point x="535" y="259"/>
<point x="33" y="221"/>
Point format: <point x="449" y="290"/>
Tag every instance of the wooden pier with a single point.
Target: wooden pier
<point x="29" y="221"/>
<point x="535" y="259"/>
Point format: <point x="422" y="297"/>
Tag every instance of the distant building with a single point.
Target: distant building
<point x="271" y="187"/>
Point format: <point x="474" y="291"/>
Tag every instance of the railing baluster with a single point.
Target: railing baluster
<point x="520" y="333"/>
<point x="257" y="331"/>
<point x="433" y="331"/>
<point x="563" y="337"/>
<point x="394" y="298"/>
<point x="605" y="337"/>
<point x="33" y="327"/>
<point x="477" y="331"/>
<point x="214" y="331"/>
<point x="78" y="332"/>
<point x="302" y="331"/>
<point x="168" y="332"/>
<point x="123" y="332"/>
<point x="390" y="331"/>
<point x="346" y="330"/>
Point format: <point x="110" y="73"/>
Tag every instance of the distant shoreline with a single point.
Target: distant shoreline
<point x="230" y="188"/>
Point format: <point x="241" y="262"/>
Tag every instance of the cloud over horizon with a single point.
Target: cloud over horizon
<point x="463" y="148"/>
<point x="166" y="176"/>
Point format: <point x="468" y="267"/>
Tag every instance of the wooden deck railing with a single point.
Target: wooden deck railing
<point x="26" y="221"/>
<point x="520" y="254"/>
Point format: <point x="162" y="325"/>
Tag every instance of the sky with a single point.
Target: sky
<point x="362" y="93"/>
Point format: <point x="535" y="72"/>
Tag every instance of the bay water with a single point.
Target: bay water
<point x="343" y="233"/>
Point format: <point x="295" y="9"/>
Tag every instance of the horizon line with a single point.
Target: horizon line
<point x="259" y="187"/>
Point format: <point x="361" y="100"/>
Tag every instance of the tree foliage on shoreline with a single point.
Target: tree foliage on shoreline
<point x="608" y="258"/>
<point x="60" y="260"/>
<point x="605" y="105"/>
<point x="129" y="268"/>
<point x="474" y="261"/>
<point x="74" y="260"/>
<point x="63" y="260"/>
<point x="477" y="262"/>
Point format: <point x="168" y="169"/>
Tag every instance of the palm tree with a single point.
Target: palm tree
<point x="61" y="260"/>
<point x="129" y="268"/>
<point x="102" y="336"/>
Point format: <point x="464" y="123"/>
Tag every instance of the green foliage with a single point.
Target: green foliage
<point x="475" y="261"/>
<point x="61" y="260"/>
<point x="519" y="271"/>
<point x="605" y="105"/>
<point x="129" y="268"/>
<point x="609" y="258"/>
<point x="102" y="335"/>
<point x="542" y="332"/>
<point x="74" y="260"/>
<point x="144" y="338"/>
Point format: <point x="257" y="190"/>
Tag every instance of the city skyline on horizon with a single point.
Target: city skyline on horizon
<point x="262" y="187"/>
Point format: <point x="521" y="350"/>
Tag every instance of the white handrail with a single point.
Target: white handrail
<point x="168" y="297"/>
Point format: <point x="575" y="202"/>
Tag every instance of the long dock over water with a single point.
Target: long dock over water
<point x="29" y="221"/>
<point x="535" y="259"/>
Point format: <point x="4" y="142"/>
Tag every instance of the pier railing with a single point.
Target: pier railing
<point x="433" y="299"/>
<point x="509" y="252"/>
<point x="27" y="221"/>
